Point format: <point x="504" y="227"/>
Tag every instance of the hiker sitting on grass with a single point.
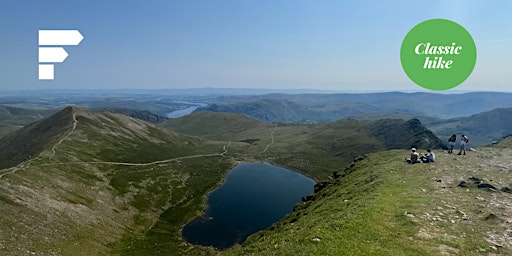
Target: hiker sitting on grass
<point x="415" y="157"/>
<point x="429" y="157"/>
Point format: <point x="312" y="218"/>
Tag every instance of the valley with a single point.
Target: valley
<point x="114" y="180"/>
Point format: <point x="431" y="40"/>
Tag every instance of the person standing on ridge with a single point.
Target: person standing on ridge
<point x="451" y="141"/>
<point x="463" y="141"/>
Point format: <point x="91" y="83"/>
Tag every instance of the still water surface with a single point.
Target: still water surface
<point x="253" y="197"/>
<point x="186" y="111"/>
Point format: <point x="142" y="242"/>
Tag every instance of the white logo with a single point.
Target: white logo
<point x="53" y="54"/>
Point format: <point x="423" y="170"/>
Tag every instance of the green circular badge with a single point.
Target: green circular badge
<point x="438" y="54"/>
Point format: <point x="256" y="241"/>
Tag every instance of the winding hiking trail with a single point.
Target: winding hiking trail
<point x="271" y="137"/>
<point x="9" y="171"/>
<point x="75" y="122"/>
<point x="166" y="160"/>
<point x="12" y="170"/>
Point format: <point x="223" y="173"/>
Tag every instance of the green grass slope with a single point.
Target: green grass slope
<point x="460" y="205"/>
<point x="144" y="115"/>
<point x="312" y="149"/>
<point x="505" y="142"/>
<point x="103" y="184"/>
<point x="219" y="126"/>
<point x="283" y="111"/>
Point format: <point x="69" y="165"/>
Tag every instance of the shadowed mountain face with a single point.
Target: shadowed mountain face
<point x="98" y="183"/>
<point x="13" y="118"/>
<point x="482" y="128"/>
<point x="31" y="140"/>
<point x="396" y="134"/>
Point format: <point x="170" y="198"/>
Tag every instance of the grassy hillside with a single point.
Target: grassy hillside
<point x="312" y="149"/>
<point x="219" y="126"/>
<point x="101" y="184"/>
<point x="286" y="111"/>
<point x="461" y="205"/>
<point x="104" y="183"/>
<point x="144" y="115"/>
<point x="505" y="142"/>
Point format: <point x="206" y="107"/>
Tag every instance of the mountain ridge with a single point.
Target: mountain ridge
<point x="102" y="183"/>
<point x="106" y="183"/>
<point x="315" y="150"/>
<point x="483" y="128"/>
<point x="29" y="141"/>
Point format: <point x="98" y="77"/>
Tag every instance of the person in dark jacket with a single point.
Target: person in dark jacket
<point x="451" y="141"/>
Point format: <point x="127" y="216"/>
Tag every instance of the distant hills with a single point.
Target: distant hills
<point x="485" y="117"/>
<point x="331" y="107"/>
<point x="287" y="111"/>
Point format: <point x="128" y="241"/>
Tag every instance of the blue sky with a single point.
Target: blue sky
<point x="333" y="45"/>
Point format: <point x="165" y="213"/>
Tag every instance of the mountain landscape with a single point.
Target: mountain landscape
<point x="332" y="107"/>
<point x="312" y="149"/>
<point x="81" y="181"/>
<point x="444" y="114"/>
<point x="95" y="183"/>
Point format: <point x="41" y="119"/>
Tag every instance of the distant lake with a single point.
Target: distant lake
<point x="253" y="197"/>
<point x="186" y="111"/>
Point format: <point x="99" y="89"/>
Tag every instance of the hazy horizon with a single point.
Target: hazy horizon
<point x="241" y="90"/>
<point x="329" y="45"/>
